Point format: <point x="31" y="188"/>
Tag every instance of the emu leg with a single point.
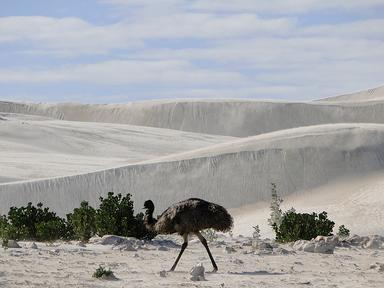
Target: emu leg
<point x="204" y="242"/>
<point x="185" y="244"/>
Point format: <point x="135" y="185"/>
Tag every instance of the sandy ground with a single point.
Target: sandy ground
<point x="69" y="265"/>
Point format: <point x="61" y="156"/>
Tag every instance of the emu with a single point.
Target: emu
<point x="189" y="217"/>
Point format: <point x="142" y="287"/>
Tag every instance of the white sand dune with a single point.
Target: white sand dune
<point x="239" y="118"/>
<point x="49" y="154"/>
<point x="375" y="94"/>
<point x="235" y="173"/>
<point x="33" y="147"/>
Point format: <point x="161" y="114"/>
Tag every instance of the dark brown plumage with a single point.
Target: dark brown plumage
<point x="186" y="217"/>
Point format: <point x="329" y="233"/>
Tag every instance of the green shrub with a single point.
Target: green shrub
<point x="295" y="226"/>
<point x="343" y="232"/>
<point x="51" y="230"/>
<point x="83" y="221"/>
<point x="3" y="226"/>
<point x="115" y="215"/>
<point x="101" y="272"/>
<point x="36" y="223"/>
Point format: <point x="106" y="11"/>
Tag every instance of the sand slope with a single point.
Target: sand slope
<point x="375" y="94"/>
<point x="34" y="147"/>
<point x="301" y="147"/>
<point x="238" y="118"/>
<point x="233" y="174"/>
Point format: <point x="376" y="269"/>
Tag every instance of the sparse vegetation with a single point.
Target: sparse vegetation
<point x="115" y="215"/>
<point x="295" y="226"/>
<point x="276" y="213"/>
<point x="83" y="221"/>
<point x="292" y="226"/>
<point x="255" y="237"/>
<point x="35" y="223"/>
<point x="101" y="272"/>
<point x="256" y="233"/>
<point x="343" y="232"/>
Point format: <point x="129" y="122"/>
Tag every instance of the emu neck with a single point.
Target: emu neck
<point x="149" y="221"/>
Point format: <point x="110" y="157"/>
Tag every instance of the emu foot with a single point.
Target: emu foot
<point x="213" y="271"/>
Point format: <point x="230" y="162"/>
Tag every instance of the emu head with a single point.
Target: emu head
<point x="149" y="206"/>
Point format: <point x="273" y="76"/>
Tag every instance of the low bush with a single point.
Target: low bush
<point x="115" y="215"/>
<point x="295" y="226"/>
<point x="101" y="272"/>
<point x="343" y="232"/>
<point x="35" y="223"/>
<point x="83" y="221"/>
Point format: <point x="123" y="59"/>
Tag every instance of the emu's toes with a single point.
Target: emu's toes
<point x="214" y="270"/>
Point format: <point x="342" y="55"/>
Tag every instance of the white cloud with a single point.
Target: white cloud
<point x="174" y="73"/>
<point x="66" y="36"/>
<point x="215" y="48"/>
<point x="280" y="7"/>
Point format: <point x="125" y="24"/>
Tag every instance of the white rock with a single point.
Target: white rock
<point x="357" y="240"/>
<point x="374" y="242"/>
<point x="197" y="272"/>
<point x="126" y="247"/>
<point x="282" y="251"/>
<point x="299" y="244"/>
<point x="309" y="247"/>
<point x="81" y="244"/>
<point x="321" y="244"/>
<point x="115" y="240"/>
<point x="163" y="248"/>
<point x="32" y="245"/>
<point x="13" y="244"/>
<point x="229" y="249"/>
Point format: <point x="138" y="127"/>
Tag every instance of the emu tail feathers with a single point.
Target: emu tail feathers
<point x="219" y="218"/>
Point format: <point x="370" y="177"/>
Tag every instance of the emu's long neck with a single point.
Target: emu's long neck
<point x="149" y="221"/>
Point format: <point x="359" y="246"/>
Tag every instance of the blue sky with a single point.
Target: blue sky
<point x="116" y="51"/>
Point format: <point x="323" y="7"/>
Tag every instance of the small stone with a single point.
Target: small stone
<point x="13" y="244"/>
<point x="163" y="273"/>
<point x="163" y="248"/>
<point x="229" y="249"/>
<point x="136" y="255"/>
<point x="54" y="252"/>
<point x="282" y="251"/>
<point x="126" y="247"/>
<point x="197" y="272"/>
<point x="33" y="245"/>
<point x="264" y="246"/>
<point x="309" y="247"/>
<point x="373" y="242"/>
<point x="238" y="261"/>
